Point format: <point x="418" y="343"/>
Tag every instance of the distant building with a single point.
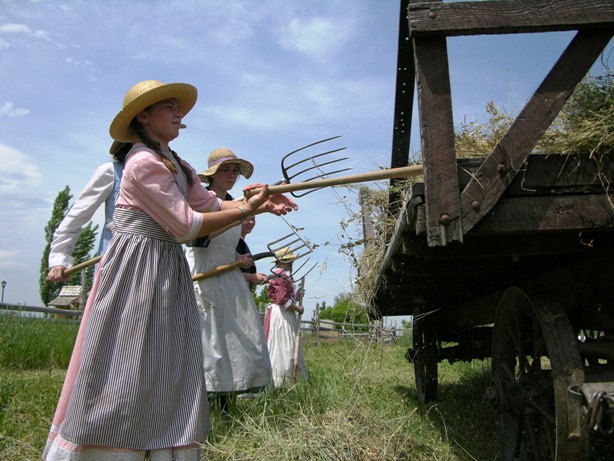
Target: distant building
<point x="69" y="298"/>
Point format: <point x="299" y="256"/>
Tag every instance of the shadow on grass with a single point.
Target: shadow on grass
<point x="461" y="415"/>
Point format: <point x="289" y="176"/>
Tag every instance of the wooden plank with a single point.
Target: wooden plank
<point x="403" y="104"/>
<point x="431" y="19"/>
<point x="549" y="213"/>
<point x="405" y="83"/>
<point x="499" y="169"/>
<point x="437" y="137"/>
<point x="552" y="174"/>
<point x="502" y="245"/>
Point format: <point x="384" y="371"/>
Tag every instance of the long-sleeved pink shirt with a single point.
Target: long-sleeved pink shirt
<point x="148" y="185"/>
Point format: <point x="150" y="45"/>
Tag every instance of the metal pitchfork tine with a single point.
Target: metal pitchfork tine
<point x="293" y="243"/>
<point x="314" y="165"/>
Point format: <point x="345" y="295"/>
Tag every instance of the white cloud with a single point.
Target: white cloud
<point x="8" y="110"/>
<point x="14" y="29"/>
<point x="319" y="38"/>
<point x="11" y="29"/>
<point x="17" y="170"/>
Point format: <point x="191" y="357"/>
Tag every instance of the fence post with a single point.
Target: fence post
<point x="316" y="320"/>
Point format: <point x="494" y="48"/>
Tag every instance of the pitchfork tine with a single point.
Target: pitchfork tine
<point x="313" y="144"/>
<point x="313" y="156"/>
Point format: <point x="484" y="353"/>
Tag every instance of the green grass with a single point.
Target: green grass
<point x="32" y="344"/>
<point x="359" y="404"/>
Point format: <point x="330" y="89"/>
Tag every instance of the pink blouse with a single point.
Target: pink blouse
<point x="281" y="290"/>
<point x="148" y="185"/>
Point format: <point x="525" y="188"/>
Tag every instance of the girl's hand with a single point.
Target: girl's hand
<point x="56" y="274"/>
<point x="260" y="278"/>
<point x="247" y="261"/>
<point x="277" y="204"/>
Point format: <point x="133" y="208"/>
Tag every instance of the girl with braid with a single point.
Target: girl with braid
<point x="138" y="389"/>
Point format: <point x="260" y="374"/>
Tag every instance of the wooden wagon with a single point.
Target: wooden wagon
<point x="510" y="256"/>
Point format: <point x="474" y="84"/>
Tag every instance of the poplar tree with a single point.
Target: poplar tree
<point x="83" y="250"/>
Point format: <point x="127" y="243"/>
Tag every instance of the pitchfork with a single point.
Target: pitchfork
<point x="292" y="243"/>
<point x="311" y="164"/>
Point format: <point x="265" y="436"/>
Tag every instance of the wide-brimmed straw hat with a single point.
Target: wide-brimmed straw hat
<point x="285" y="255"/>
<point x="144" y="94"/>
<point x="223" y="155"/>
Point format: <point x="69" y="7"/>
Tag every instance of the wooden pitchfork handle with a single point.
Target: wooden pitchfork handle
<point x="228" y="267"/>
<point x="218" y="270"/>
<point x="81" y="266"/>
<point x="401" y="172"/>
<point x="297" y="338"/>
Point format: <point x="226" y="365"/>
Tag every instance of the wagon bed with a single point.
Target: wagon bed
<point x="555" y="213"/>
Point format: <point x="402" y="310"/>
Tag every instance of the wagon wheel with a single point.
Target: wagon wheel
<point x="426" y="357"/>
<point x="535" y="358"/>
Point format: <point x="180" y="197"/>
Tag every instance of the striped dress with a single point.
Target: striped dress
<point x="135" y="386"/>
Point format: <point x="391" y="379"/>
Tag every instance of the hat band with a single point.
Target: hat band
<point x="224" y="159"/>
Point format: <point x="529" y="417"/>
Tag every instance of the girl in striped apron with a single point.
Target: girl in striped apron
<point x="136" y="389"/>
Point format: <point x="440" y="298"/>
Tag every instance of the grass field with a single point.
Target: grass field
<point x="359" y="403"/>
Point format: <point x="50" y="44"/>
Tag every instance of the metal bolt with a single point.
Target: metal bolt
<point x="432" y="15"/>
<point x="445" y="219"/>
<point x="476" y="205"/>
<point x="501" y="168"/>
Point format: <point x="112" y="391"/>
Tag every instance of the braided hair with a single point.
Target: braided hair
<point x="120" y="154"/>
<point x="155" y="146"/>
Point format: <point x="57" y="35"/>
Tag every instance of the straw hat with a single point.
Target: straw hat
<point x="144" y="94"/>
<point x="116" y="147"/>
<point x="223" y="155"/>
<point x="285" y="255"/>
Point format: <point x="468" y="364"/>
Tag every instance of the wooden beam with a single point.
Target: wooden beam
<point x="403" y="103"/>
<point x="549" y="213"/>
<point x="506" y="17"/>
<point x="437" y="137"/>
<point x="508" y="157"/>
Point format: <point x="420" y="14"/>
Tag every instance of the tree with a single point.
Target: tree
<point x="262" y="298"/>
<point x="345" y="311"/>
<point x="83" y="249"/>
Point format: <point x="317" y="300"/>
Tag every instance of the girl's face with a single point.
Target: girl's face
<point x="248" y="225"/>
<point x="162" y="121"/>
<point x="226" y="175"/>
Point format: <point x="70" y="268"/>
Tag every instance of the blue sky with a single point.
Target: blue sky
<point x="272" y="76"/>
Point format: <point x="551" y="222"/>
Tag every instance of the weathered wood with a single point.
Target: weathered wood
<point x="549" y="213"/>
<point x="505" y="17"/>
<point x="499" y="169"/>
<point x="551" y="175"/>
<point x="437" y="137"/>
<point x="403" y="103"/>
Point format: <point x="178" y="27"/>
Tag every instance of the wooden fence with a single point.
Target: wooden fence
<point x="319" y="328"/>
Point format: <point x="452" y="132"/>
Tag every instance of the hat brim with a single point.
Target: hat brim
<point x="245" y="168"/>
<point x="184" y="93"/>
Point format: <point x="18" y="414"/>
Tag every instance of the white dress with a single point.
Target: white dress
<point x="282" y="327"/>
<point x="234" y="348"/>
